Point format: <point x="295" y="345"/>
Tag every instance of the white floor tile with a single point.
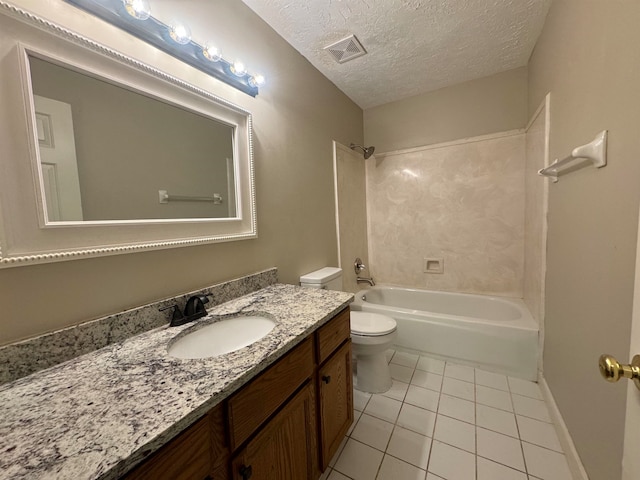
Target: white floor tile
<point x="401" y="373"/>
<point x="383" y="408"/>
<point x="452" y="463"/>
<point x="455" y="433"/>
<point x="539" y="433"/>
<point x="373" y="432"/>
<point x="497" y="420"/>
<point x="359" y="461"/>
<point x="397" y="391"/>
<point x="405" y="359"/>
<point x="525" y="388"/>
<point x="458" y="388"/>
<point x="325" y="475"/>
<point x="417" y="419"/>
<point x="546" y="464"/>
<point x="389" y="354"/>
<point x="500" y="448"/>
<point x="356" y="417"/>
<point x="410" y="447"/>
<point x="338" y="452"/>
<point x="488" y="470"/>
<point x="429" y="380"/>
<point x="360" y="399"/>
<point x="490" y="379"/>
<point x="457" y="408"/>
<point x="394" y="469"/>
<point x="493" y="398"/>
<point x="530" y="407"/>
<point x="460" y="372"/>
<point x="443" y="421"/>
<point x="432" y="365"/>
<point x="422" y="397"/>
<point x="335" y="475"/>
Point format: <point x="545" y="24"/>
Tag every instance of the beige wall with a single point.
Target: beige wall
<point x="462" y="202"/>
<point x="296" y="117"/>
<point x="352" y="214"/>
<point x="588" y="58"/>
<point x="487" y="105"/>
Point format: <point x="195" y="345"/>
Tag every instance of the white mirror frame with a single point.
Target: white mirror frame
<point x="25" y="235"/>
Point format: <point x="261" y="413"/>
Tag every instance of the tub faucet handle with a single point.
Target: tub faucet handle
<point x="358" y="266"/>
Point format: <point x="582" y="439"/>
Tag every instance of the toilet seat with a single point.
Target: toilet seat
<point x="369" y="324"/>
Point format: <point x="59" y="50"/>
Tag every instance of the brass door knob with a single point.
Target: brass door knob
<point x="611" y="370"/>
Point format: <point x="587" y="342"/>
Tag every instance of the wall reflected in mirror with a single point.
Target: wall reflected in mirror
<point x="109" y="153"/>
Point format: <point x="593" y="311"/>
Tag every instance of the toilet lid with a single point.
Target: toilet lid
<point x="371" y="324"/>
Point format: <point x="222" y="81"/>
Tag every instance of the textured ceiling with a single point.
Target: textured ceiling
<point x="414" y="46"/>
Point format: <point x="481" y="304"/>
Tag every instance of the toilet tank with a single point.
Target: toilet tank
<point x="329" y="278"/>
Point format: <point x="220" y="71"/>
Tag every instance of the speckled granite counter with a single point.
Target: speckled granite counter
<point x="94" y="416"/>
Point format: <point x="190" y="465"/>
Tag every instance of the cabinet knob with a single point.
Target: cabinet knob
<point x="246" y="471"/>
<point x="326" y="378"/>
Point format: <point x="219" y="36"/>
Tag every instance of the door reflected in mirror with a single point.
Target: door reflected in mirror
<point x="109" y="153"/>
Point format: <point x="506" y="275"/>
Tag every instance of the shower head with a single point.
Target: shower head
<point x="368" y="151"/>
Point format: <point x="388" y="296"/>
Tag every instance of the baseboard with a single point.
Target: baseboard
<point x="573" y="459"/>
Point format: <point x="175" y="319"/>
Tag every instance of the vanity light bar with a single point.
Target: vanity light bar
<point x="134" y="17"/>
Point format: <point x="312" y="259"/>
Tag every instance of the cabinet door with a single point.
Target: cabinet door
<point x="285" y="449"/>
<point x="335" y="391"/>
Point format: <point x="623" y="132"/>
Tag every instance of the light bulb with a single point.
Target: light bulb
<point x="139" y="9"/>
<point x="238" y="68"/>
<point x="180" y="33"/>
<point x="257" y="80"/>
<point x="212" y="53"/>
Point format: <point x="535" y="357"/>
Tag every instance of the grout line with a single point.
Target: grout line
<point x="438" y="413"/>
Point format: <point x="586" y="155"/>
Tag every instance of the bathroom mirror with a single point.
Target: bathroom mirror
<point x="104" y="154"/>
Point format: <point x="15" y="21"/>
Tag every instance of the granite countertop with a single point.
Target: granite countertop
<point x="95" y="416"/>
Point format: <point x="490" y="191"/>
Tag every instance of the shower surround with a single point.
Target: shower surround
<point x="462" y="201"/>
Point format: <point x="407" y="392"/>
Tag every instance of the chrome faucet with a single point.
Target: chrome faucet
<point x="193" y="310"/>
<point x="358" y="267"/>
<point x="368" y="280"/>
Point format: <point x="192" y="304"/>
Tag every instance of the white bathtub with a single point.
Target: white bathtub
<point x="494" y="333"/>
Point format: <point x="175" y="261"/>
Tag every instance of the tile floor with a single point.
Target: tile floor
<point x="446" y="421"/>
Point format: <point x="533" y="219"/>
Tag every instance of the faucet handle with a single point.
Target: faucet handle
<point x="176" y="318"/>
<point x="358" y="266"/>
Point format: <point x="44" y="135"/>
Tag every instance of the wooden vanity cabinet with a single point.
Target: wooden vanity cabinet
<point x="285" y="424"/>
<point x="186" y="457"/>
<point x="285" y="448"/>
<point x="334" y="385"/>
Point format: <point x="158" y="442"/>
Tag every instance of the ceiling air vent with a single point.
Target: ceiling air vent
<point x="346" y="49"/>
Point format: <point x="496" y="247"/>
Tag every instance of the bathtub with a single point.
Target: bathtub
<point x="493" y="333"/>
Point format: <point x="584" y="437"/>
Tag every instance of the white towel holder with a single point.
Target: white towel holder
<point x="596" y="151"/>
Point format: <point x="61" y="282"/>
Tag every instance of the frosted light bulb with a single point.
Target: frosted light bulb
<point x="238" y="68"/>
<point x="139" y="9"/>
<point x="212" y="53"/>
<point x="180" y="33"/>
<point x="257" y="80"/>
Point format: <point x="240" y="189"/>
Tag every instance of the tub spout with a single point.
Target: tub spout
<point x="368" y="280"/>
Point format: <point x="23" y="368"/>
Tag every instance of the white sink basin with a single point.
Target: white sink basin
<point x="221" y="337"/>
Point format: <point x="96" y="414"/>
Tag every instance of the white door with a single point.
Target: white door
<point x="631" y="457"/>
<point x="58" y="162"/>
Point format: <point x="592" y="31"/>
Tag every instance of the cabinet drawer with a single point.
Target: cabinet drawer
<point x="331" y="335"/>
<point x="265" y="394"/>
<point x="186" y="457"/>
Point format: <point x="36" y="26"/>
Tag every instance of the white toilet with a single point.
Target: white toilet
<point x="371" y="335"/>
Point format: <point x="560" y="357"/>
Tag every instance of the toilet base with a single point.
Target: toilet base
<point x="372" y="373"/>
